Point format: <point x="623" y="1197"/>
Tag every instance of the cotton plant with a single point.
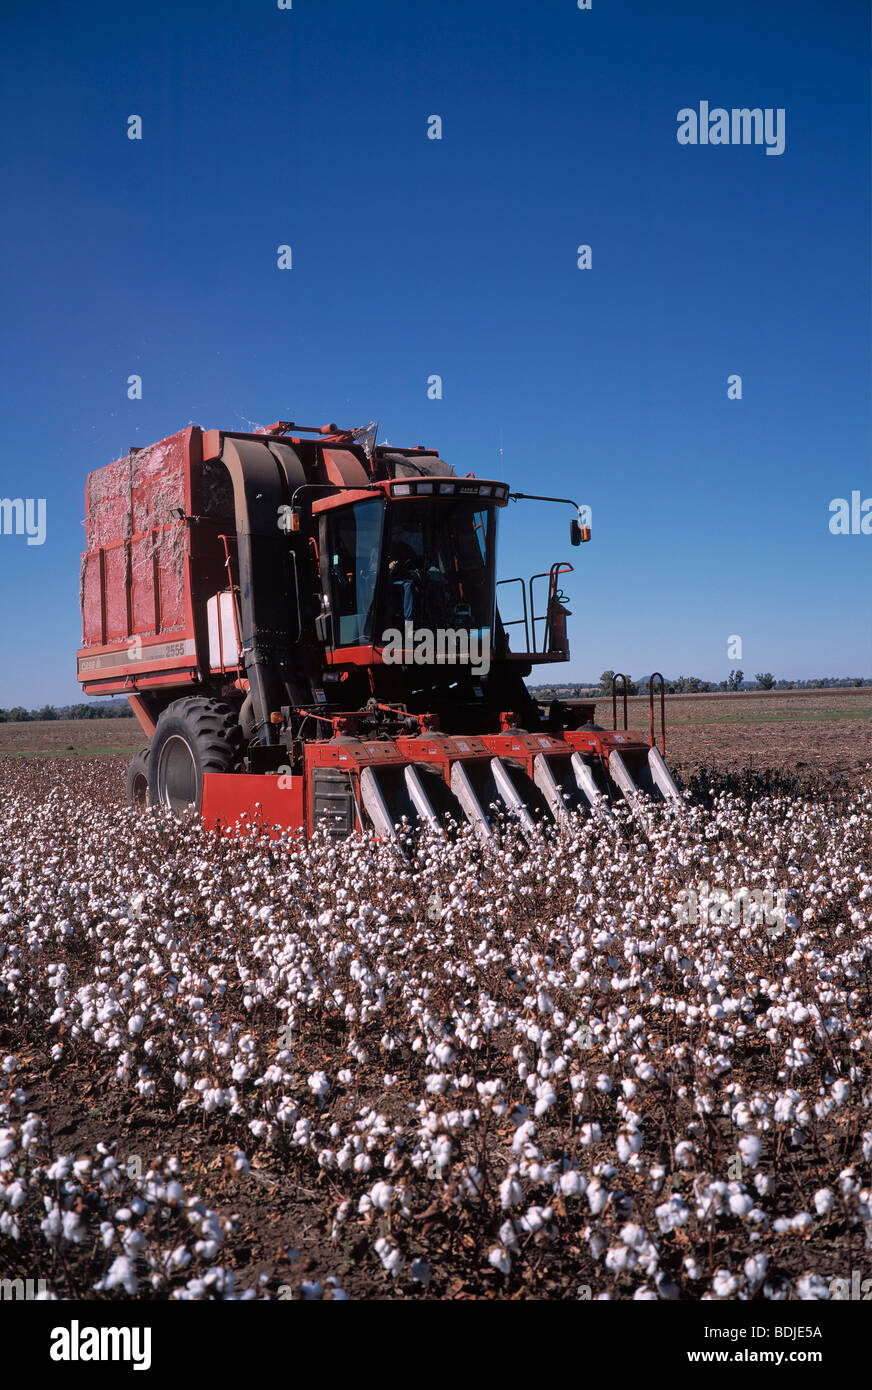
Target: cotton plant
<point x="509" y="1055"/>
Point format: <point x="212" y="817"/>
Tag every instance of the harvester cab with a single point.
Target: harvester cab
<point x="307" y="627"/>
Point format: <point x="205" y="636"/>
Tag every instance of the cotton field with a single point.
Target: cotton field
<point x="503" y="1071"/>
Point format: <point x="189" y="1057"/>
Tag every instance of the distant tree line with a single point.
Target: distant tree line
<point x="111" y="709"/>
<point x="694" y="685"/>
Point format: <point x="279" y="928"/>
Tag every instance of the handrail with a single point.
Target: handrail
<point x="618" y="676"/>
<point x="657" y="675"/>
<point x="516" y="622"/>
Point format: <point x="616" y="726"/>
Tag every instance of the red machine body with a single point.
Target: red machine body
<point x="277" y="606"/>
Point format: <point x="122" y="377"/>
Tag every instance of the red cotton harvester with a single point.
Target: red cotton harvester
<point x="305" y="624"/>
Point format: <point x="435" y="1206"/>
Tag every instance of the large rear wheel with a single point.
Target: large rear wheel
<point x="193" y="736"/>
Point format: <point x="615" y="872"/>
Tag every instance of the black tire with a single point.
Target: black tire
<point x="193" y="736"/>
<point x="136" y="783"/>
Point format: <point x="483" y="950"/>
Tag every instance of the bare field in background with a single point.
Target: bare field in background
<point x="69" y="737"/>
<point x="809" y="731"/>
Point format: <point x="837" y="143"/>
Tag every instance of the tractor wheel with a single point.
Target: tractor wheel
<point x="137" y="781"/>
<point x="193" y="736"/>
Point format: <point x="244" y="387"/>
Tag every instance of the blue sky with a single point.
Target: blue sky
<point x="414" y="257"/>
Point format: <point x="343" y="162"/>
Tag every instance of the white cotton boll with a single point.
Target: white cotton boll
<point x="590" y="1134"/>
<point x="604" y="1083"/>
<point x="381" y="1194"/>
<point x="7" y="1143"/>
<point x="866" y="1140"/>
<point x="763" y="1184"/>
<point x="523" y="1134"/>
<point x="16" y="1195"/>
<point x="597" y="1197"/>
<point x="632" y="1235"/>
<point x="684" y="1152"/>
<point x="318" y="1084"/>
<point x="362" y="1163"/>
<point x="510" y="1193"/>
<point x="823" y="1201"/>
<point x="508" y="1237"/>
<point x="724" y="1283"/>
<point x="740" y="1203"/>
<point x="535" y="1218"/>
<point x="390" y="1256"/>
<point x="442" y="1151"/>
<point x="345" y="1077"/>
<point x="133" y="1242"/>
<point x="672" y="1214"/>
<point x="755" y="1268"/>
<point x="628" y="1142"/>
<point x="72" y="1227"/>
<point x="618" y="1258"/>
<point x="812" y="1287"/>
<point x="572" y="1184"/>
<point x="51" y="1225"/>
<point x="750" y="1149"/>
<point x="500" y="1259"/>
<point x="121" y="1273"/>
<point x="9" y="1064"/>
<point x="840" y="1091"/>
<point x="9" y="1225"/>
<point x="545" y="1098"/>
<point x="135" y="1023"/>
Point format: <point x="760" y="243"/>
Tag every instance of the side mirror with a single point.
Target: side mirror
<point x="574" y="532"/>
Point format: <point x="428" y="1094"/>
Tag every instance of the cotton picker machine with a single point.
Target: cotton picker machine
<point x="305" y="624"/>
